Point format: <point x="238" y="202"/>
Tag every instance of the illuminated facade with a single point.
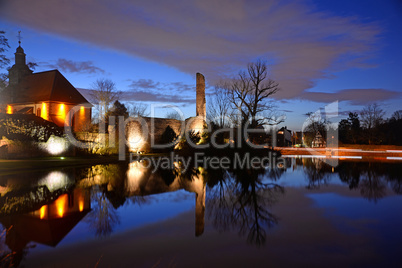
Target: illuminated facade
<point x="48" y="95"/>
<point x="143" y="134"/>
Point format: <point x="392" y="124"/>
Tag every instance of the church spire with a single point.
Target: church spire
<point x="20" y="69"/>
<point x="19" y="38"/>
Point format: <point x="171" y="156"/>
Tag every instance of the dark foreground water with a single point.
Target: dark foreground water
<point x="304" y="213"/>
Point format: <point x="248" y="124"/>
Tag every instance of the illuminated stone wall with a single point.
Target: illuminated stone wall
<point x="139" y="135"/>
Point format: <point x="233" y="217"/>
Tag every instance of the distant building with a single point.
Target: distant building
<point x="318" y="141"/>
<point x="284" y="137"/>
<point x="46" y="94"/>
<point x="297" y="139"/>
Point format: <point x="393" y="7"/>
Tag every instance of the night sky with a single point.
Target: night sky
<point x="318" y="51"/>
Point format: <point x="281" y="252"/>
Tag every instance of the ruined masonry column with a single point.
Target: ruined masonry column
<point x="201" y="109"/>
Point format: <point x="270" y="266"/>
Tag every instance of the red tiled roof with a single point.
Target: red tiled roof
<point x="46" y="86"/>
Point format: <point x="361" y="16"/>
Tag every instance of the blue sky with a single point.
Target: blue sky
<point x="319" y="51"/>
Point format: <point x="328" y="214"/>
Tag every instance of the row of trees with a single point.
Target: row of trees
<point x="370" y="127"/>
<point x="365" y="127"/>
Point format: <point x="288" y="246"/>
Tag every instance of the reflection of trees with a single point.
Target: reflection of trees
<point x="14" y="256"/>
<point x="103" y="216"/>
<point x="393" y="174"/>
<point x="317" y="172"/>
<point x="372" y="186"/>
<point x="397" y="186"/>
<point x="371" y="178"/>
<point x="240" y="201"/>
<point x="275" y="174"/>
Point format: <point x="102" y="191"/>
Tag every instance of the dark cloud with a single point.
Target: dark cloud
<point x="151" y="91"/>
<point x="143" y="92"/>
<point x="70" y="66"/>
<point x="354" y="96"/>
<point x="151" y="85"/>
<point x="146" y="96"/>
<point x="147" y="90"/>
<point x="144" y="84"/>
<point x="215" y="38"/>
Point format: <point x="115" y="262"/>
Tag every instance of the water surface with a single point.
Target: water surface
<point x="305" y="212"/>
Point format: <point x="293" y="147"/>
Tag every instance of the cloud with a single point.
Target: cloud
<point x="215" y="38"/>
<point x="145" y="96"/>
<point x="147" y="90"/>
<point x="151" y="91"/>
<point x="354" y="96"/>
<point x="76" y="66"/>
<point x="144" y="84"/>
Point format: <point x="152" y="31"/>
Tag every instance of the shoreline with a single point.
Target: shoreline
<point x="389" y="153"/>
<point x="393" y="153"/>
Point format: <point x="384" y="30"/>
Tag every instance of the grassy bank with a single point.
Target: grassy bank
<point x="15" y="166"/>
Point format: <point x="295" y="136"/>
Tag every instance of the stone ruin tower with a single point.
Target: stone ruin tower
<point x="200" y="100"/>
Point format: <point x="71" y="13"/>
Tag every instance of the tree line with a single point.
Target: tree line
<point x="369" y="127"/>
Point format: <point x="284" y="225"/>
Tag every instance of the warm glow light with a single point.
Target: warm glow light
<point x="61" y="203"/>
<point x="136" y="142"/>
<point x="42" y="212"/>
<point x="56" y="145"/>
<point x="81" y="205"/>
<point x="43" y="112"/>
<point x="9" y="109"/>
<point x="135" y="174"/>
<point x="56" y="180"/>
<point x="62" y="111"/>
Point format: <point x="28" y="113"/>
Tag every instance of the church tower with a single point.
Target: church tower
<point x="19" y="69"/>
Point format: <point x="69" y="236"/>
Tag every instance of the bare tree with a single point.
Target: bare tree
<point x="371" y="117"/>
<point x="250" y="94"/>
<point x="173" y="115"/>
<point x="104" y="93"/>
<point x="137" y="109"/>
<point x="219" y="108"/>
<point x="3" y="63"/>
<point x="397" y="115"/>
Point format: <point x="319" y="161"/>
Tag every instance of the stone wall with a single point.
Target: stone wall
<point x="143" y="132"/>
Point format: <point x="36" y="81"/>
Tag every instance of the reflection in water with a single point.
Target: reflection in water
<point x="370" y="178"/>
<point x="48" y="206"/>
<point x="142" y="182"/>
<point x="56" y="180"/>
<point x="103" y="216"/>
<point x="317" y="172"/>
<point x="240" y="201"/>
<point x="47" y="225"/>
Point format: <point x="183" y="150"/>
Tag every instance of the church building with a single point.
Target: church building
<point x="45" y="94"/>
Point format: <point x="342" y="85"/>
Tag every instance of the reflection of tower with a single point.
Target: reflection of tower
<point x="200" y="105"/>
<point x="142" y="181"/>
<point x="200" y="212"/>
